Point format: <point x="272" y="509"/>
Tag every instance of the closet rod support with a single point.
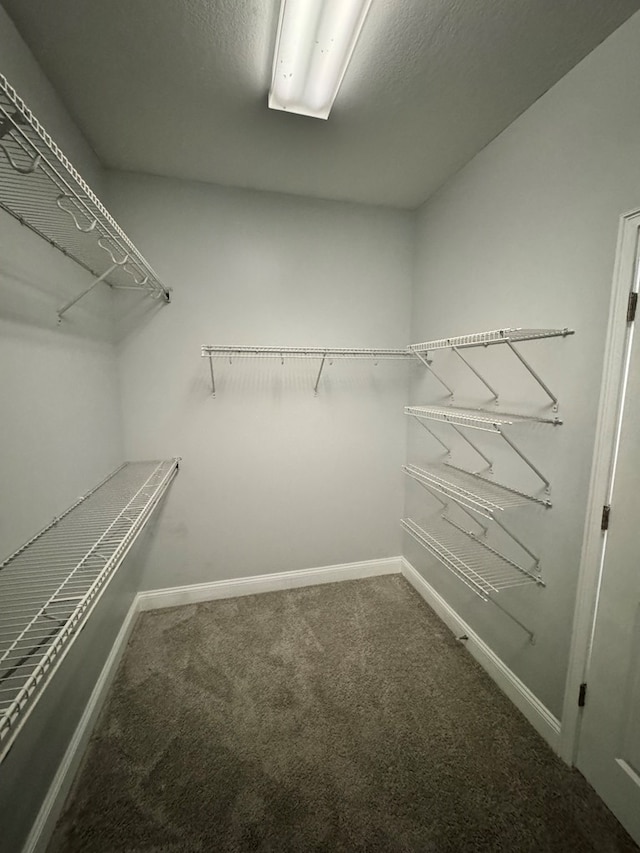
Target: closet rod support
<point x="315" y="387"/>
<point x="475" y="446"/>
<point x="526" y="460"/>
<point x="73" y="301"/>
<point x="213" y="380"/>
<point x="424" y="360"/>
<point x="494" y="393"/>
<point x="535" y="375"/>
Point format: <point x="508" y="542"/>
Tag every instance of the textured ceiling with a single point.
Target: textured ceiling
<point x="179" y="87"/>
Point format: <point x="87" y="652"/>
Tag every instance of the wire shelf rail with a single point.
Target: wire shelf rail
<point x="495" y="336"/>
<point x="49" y="586"/>
<point x="475" y="418"/>
<point x="486" y="422"/>
<point x="304" y="352"/>
<point x="472" y="490"/>
<point x="324" y="354"/>
<point x="480" y="567"/>
<point x="42" y="190"/>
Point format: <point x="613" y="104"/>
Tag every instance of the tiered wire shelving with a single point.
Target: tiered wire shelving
<point x="42" y="190"/>
<point x="472" y="490"/>
<point x="466" y="553"/>
<point x="478" y="419"/>
<point x="50" y="585"/>
<point x="483" y="569"/>
<point x="321" y="354"/>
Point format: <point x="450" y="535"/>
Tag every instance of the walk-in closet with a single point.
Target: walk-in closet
<point x="320" y="391"/>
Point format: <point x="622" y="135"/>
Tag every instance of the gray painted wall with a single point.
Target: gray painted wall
<point x="273" y="478"/>
<point x="28" y="770"/>
<point x="61" y="434"/>
<point x="525" y="235"/>
<point x="58" y="384"/>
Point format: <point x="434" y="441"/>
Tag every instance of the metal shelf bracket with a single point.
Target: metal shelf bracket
<point x="426" y="363"/>
<point x="535" y="375"/>
<point x="477" y="373"/>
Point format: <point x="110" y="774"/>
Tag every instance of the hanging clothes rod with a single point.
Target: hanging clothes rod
<point x="321" y="353"/>
<point x="306" y="352"/>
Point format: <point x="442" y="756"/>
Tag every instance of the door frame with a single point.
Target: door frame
<point x="601" y="481"/>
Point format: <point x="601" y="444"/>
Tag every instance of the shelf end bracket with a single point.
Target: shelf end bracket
<point x="535" y="375"/>
<point x="433" y="373"/>
<point x="77" y="298"/>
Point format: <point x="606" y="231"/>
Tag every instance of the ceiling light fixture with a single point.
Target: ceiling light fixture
<point x="314" y="45"/>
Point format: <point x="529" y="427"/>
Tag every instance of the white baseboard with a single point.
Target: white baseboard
<point x="43" y="827"/>
<point x="177" y="595"/>
<point x="538" y="714"/>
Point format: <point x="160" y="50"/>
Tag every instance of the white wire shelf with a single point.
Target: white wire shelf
<point x="475" y="418"/>
<point x="42" y="190"/>
<point x="303" y="352"/>
<point x="495" y="336"/>
<point x="322" y="354"/>
<point x="49" y="586"/>
<point x="471" y="560"/>
<point x="471" y="490"/>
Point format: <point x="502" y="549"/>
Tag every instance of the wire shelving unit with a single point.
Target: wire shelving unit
<point x="495" y="336"/>
<point x="49" y="586"/>
<point x="41" y="188"/>
<point x="321" y="354"/>
<point x="472" y="490"/>
<point x="475" y="418"/>
<point x="473" y="561"/>
<point x="479" y="419"/>
<point x="509" y="337"/>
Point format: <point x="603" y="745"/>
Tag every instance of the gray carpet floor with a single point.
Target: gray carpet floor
<point x="343" y="717"/>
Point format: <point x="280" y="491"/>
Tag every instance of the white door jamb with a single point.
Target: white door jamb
<point x="601" y="481"/>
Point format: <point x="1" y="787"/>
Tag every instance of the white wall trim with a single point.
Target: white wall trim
<point x="538" y="714"/>
<point x="51" y="808"/>
<point x="601" y="480"/>
<point x="177" y="595"/>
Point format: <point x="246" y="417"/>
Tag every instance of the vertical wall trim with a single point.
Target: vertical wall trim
<point x="592" y="543"/>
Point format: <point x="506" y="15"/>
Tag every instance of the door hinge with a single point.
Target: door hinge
<point x="582" y="694"/>
<point x="632" y="306"/>
<point x="604" y="521"/>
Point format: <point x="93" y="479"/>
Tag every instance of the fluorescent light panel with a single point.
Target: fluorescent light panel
<point x="314" y="44"/>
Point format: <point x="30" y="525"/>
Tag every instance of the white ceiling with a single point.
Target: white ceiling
<point x="179" y="87"/>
